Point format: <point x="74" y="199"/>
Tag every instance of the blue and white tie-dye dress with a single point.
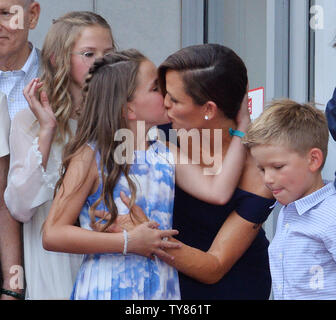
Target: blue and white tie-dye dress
<point x="132" y="277"/>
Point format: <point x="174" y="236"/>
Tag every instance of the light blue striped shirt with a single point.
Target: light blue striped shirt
<point x="12" y="83"/>
<point x="303" y="251"/>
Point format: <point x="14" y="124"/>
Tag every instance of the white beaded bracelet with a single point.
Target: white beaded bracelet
<point x="125" y="242"/>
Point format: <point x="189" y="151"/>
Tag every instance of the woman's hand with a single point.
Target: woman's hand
<point x="40" y="106"/>
<point x="125" y="221"/>
<point x="243" y="117"/>
<point x="144" y="237"/>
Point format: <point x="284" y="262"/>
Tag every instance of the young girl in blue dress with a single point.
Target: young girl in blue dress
<point x="120" y="91"/>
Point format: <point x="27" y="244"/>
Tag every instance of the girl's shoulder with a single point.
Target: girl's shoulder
<point x="85" y="154"/>
<point x="252" y="181"/>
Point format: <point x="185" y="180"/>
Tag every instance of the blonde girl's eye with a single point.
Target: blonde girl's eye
<point x="88" y="54"/>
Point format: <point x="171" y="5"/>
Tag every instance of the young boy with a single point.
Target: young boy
<point x="289" y="143"/>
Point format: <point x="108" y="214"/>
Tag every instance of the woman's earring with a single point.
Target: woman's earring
<point x="206" y="117"/>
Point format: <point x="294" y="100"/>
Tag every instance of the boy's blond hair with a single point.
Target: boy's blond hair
<point x="299" y="127"/>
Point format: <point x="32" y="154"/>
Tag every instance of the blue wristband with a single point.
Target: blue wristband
<point x="237" y="133"/>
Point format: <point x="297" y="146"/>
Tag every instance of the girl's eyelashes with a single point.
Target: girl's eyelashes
<point x="88" y="54"/>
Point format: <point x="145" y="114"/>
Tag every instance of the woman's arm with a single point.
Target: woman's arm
<point x="216" y="188"/>
<point x="230" y="243"/>
<point x="60" y="234"/>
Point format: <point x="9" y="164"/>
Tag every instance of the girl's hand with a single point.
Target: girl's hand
<point x="243" y="117"/>
<point x="147" y="241"/>
<point x="40" y="106"/>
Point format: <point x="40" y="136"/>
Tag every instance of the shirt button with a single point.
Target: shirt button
<point x="287" y="225"/>
<point x="279" y="286"/>
<point x="280" y="255"/>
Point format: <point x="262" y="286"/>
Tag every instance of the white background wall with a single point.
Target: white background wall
<point x="152" y="26"/>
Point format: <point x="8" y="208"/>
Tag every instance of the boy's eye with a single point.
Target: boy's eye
<point x="278" y="167"/>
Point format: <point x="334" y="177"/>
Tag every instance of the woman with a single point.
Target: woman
<point x="224" y="252"/>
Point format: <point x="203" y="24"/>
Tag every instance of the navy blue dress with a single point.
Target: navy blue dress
<point x="198" y="224"/>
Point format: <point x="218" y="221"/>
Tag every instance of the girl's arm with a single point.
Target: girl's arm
<point x="60" y="234"/>
<point x="30" y="144"/>
<point x="230" y="243"/>
<point x="44" y="115"/>
<point x="217" y="188"/>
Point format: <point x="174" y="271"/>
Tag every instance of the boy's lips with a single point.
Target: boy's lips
<point x="276" y="191"/>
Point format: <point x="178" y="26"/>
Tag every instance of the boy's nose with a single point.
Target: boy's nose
<point x="268" y="178"/>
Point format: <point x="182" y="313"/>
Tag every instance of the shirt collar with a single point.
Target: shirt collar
<point x="31" y="61"/>
<point x="305" y="204"/>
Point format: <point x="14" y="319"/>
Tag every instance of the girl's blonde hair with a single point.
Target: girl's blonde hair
<point x="110" y="85"/>
<point x="299" y="127"/>
<point x="56" y="63"/>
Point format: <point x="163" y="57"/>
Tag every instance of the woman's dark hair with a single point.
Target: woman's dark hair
<point x="210" y="72"/>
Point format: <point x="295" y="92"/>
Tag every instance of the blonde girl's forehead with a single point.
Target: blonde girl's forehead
<point x="93" y="36"/>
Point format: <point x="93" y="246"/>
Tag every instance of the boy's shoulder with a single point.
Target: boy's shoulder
<point x="327" y="205"/>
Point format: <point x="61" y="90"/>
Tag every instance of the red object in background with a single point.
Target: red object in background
<point x="250" y="105"/>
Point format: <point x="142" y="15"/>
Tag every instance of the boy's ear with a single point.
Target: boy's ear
<point x="316" y="159"/>
<point x="210" y="109"/>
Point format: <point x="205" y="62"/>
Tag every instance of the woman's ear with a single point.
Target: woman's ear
<point x="316" y="159"/>
<point x="210" y="110"/>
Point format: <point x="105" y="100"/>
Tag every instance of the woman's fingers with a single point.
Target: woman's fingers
<point x="163" y="255"/>
<point x="152" y="224"/>
<point x="168" y="233"/>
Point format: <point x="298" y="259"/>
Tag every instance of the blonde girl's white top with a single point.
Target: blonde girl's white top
<point x="28" y="196"/>
<point x="4" y="126"/>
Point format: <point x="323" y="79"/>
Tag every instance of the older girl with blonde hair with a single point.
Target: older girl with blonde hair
<point x="37" y="138"/>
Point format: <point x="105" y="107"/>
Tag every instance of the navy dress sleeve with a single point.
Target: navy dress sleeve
<point x="253" y="208"/>
<point x="331" y="115"/>
<point x="199" y="222"/>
